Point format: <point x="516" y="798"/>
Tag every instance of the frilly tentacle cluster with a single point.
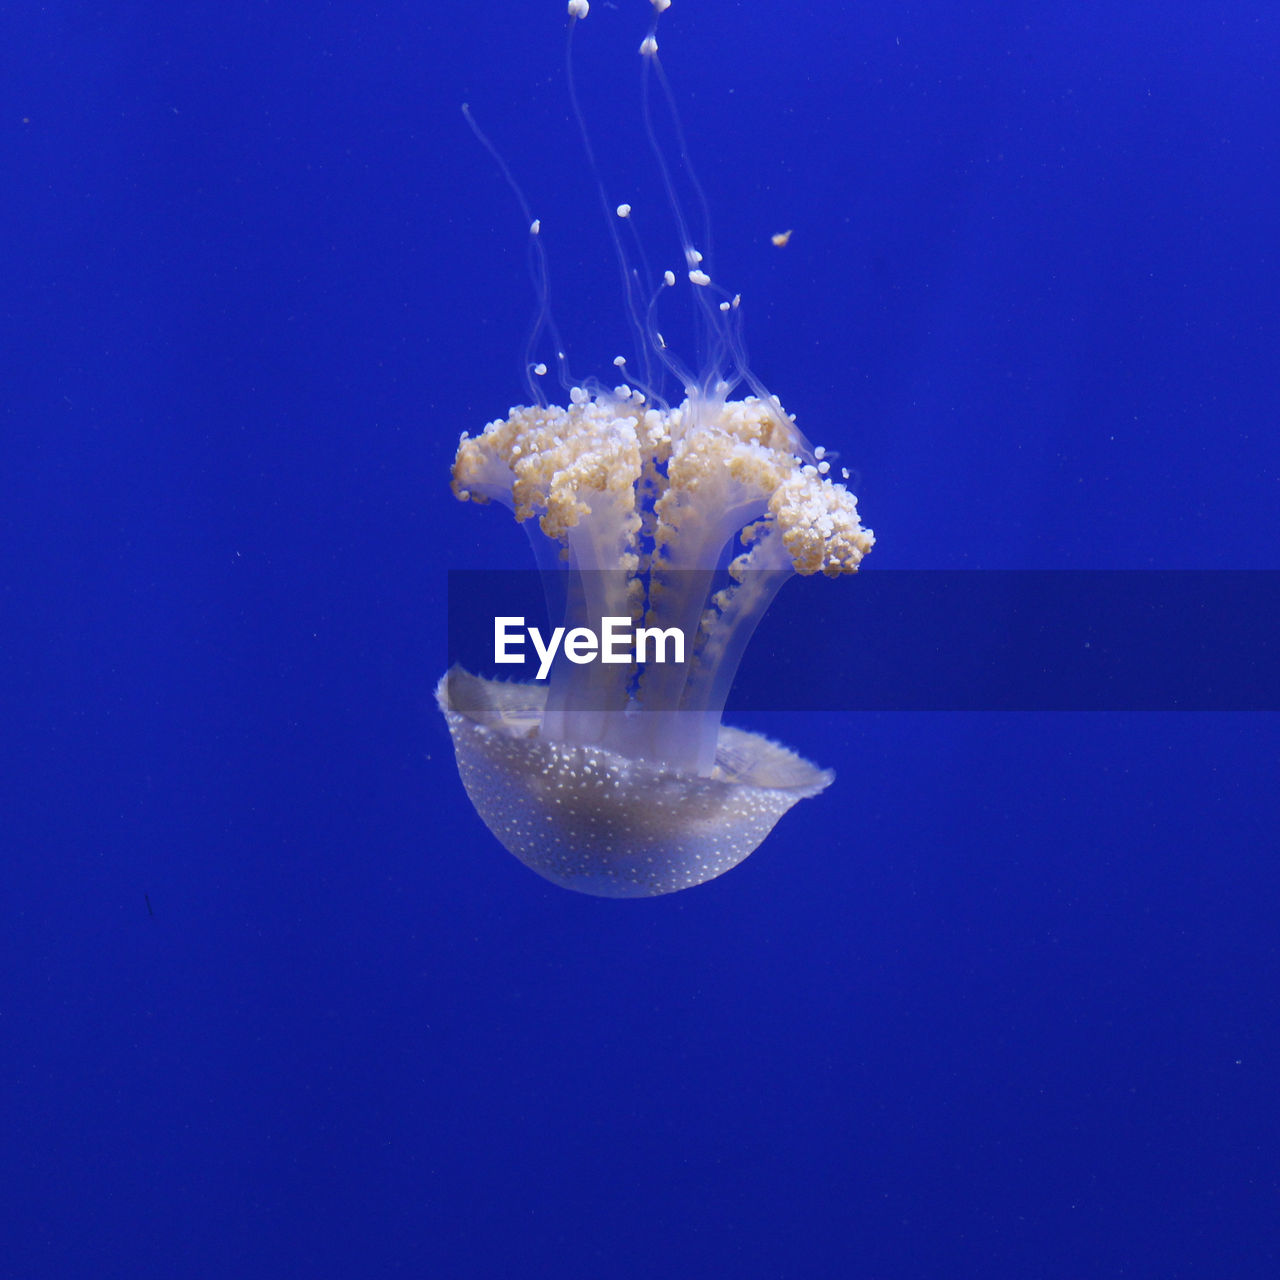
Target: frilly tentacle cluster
<point x="689" y="477"/>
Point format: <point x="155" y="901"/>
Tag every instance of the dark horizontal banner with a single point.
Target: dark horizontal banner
<point x="961" y="641"/>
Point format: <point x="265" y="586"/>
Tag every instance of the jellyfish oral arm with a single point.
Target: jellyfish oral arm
<point x="644" y="504"/>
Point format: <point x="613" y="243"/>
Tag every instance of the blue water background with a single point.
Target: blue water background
<point x="1001" y="1003"/>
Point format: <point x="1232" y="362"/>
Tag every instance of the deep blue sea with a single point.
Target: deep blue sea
<point x="1002" y="1003"/>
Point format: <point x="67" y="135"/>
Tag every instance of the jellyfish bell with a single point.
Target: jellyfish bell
<point x="604" y="823"/>
<point x="620" y="780"/>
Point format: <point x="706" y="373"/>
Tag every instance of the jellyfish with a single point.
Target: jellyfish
<point x="619" y="779"/>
